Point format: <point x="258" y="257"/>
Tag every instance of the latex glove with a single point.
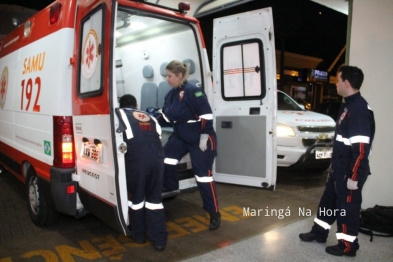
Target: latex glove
<point x="351" y="184"/>
<point x="154" y="111"/>
<point x="150" y="109"/>
<point x="203" y="141"/>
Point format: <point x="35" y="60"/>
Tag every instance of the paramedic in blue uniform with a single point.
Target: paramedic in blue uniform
<point x="144" y="162"/>
<point x="349" y="169"/>
<point x="187" y="109"/>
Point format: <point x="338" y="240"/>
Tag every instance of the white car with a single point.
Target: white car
<point x="304" y="138"/>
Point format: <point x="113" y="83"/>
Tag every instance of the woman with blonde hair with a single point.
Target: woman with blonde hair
<point x="187" y="109"/>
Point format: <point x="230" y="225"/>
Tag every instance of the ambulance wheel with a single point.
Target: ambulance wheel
<point x="40" y="213"/>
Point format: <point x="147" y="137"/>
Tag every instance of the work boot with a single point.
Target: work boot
<point x="138" y="240"/>
<point x="338" y="251"/>
<point x="215" y="221"/>
<point x="309" y="237"/>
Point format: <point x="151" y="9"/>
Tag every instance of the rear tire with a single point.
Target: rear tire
<point x="40" y="213"/>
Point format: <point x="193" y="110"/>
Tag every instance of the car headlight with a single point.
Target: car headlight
<point x="284" y="131"/>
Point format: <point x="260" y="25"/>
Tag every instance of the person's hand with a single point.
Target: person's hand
<point x="203" y="141"/>
<point x="351" y="184"/>
<point x="154" y="111"/>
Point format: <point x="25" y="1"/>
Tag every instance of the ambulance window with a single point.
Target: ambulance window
<point x="243" y="70"/>
<point x="90" y="83"/>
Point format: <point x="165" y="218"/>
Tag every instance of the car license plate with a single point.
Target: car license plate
<point x="323" y="154"/>
<point x="92" y="151"/>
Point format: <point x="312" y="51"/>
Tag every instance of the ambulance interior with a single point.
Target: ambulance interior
<point x="144" y="46"/>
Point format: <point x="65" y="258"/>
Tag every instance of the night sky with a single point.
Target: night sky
<point x="33" y="4"/>
<point x="301" y="26"/>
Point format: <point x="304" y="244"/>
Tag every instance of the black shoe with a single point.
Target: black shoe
<point x="159" y="247"/>
<point x="165" y="189"/>
<point x="309" y="237"/>
<point x="338" y="251"/>
<point x="138" y="241"/>
<point x="215" y="221"/>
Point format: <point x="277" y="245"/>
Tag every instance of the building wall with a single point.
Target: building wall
<point x="371" y="43"/>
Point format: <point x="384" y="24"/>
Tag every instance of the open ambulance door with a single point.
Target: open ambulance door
<point x="244" y="99"/>
<point x="99" y="161"/>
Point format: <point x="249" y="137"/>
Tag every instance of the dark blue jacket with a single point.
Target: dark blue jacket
<point x="354" y="135"/>
<point x="187" y="109"/>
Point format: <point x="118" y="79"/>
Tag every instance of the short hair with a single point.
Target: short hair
<point x="353" y="74"/>
<point x="127" y="101"/>
<point x="177" y="67"/>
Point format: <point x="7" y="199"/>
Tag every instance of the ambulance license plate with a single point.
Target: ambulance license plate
<point x="323" y="154"/>
<point x="92" y="152"/>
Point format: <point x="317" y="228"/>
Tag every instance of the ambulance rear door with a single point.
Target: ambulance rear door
<point x="100" y="164"/>
<point x="244" y="99"/>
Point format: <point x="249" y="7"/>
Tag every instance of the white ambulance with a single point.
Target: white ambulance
<point x="64" y="69"/>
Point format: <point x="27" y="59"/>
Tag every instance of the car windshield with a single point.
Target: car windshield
<point x="285" y="102"/>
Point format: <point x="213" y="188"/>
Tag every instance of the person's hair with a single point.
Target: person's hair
<point x="127" y="100"/>
<point x="353" y="74"/>
<point x="177" y="67"/>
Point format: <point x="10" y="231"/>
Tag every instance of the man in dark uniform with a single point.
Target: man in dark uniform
<point x="341" y="201"/>
<point x="187" y="109"/>
<point x="144" y="170"/>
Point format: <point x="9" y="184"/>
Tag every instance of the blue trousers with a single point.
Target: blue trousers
<point x="202" y="163"/>
<point x="144" y="169"/>
<point x="341" y="204"/>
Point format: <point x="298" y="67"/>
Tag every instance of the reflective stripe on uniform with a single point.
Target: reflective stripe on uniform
<point x="128" y="131"/>
<point x="343" y="140"/>
<point x="158" y="127"/>
<point x="164" y="116"/>
<point x="345" y="237"/>
<point x="322" y="224"/>
<point x="193" y="121"/>
<point x="152" y="206"/>
<point x="204" y="179"/>
<point x="138" y="206"/>
<point x="359" y="139"/>
<point x="171" y="161"/>
<point x="207" y="116"/>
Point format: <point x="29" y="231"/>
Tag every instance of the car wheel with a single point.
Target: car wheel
<point x="40" y="213"/>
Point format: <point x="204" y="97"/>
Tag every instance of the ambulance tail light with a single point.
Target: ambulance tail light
<point x="54" y="13"/>
<point x="63" y="145"/>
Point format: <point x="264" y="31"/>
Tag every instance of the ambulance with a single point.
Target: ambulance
<point x="64" y="69"/>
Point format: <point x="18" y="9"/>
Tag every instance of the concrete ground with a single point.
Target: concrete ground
<point x="283" y="244"/>
<point x="256" y="225"/>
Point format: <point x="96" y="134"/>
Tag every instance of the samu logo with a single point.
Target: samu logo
<point x="343" y="116"/>
<point x="3" y="87"/>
